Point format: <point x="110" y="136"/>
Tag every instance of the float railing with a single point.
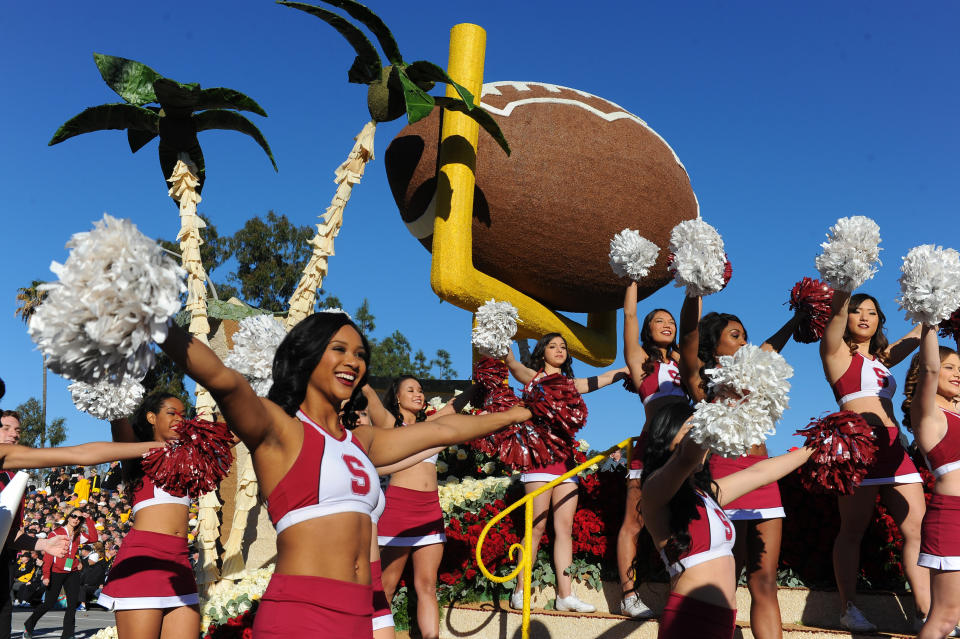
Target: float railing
<point x="525" y="561"/>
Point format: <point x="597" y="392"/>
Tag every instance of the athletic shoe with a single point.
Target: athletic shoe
<point x="27" y="633"/>
<point x="572" y="604"/>
<point x="636" y="609"/>
<point x="516" y="600"/>
<point x="854" y="621"/>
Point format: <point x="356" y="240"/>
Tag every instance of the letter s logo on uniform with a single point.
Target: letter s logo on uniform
<point x="360" y="484"/>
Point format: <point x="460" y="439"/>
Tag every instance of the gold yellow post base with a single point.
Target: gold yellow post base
<point x="452" y="273"/>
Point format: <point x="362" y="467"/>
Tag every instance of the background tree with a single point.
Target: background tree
<point x="34" y="432"/>
<point x="29" y="299"/>
<point x="392" y="90"/>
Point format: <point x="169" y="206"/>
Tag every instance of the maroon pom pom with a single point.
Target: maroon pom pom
<point x="194" y="463"/>
<point x="844" y="448"/>
<point x="950" y="327"/>
<point x="555" y="402"/>
<point x="522" y="446"/>
<point x="812" y="298"/>
<point x="489" y="372"/>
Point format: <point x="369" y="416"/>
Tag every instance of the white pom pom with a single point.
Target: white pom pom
<point x="114" y="296"/>
<point x="851" y="253"/>
<point x="254" y="346"/>
<point x="632" y="255"/>
<point x="698" y="257"/>
<point x="106" y="400"/>
<point x="751" y="391"/>
<point x="930" y="284"/>
<point x="496" y="324"/>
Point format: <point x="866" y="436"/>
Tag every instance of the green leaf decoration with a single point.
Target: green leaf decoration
<point x="373" y="22"/>
<point x="221" y="98"/>
<point x="422" y="70"/>
<point x="105" y="117"/>
<point x="367" y="67"/>
<point x="482" y="118"/>
<point x="137" y="139"/>
<point x="419" y="103"/>
<point x="132" y="80"/>
<point x="221" y="309"/>
<point x="172" y="95"/>
<point x="233" y="121"/>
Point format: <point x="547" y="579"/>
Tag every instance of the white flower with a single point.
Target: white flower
<point x="442" y="466"/>
<point x="461" y="454"/>
<point x="489" y="468"/>
<point x="582" y="445"/>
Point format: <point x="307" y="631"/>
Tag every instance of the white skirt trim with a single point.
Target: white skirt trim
<point x="137" y="603"/>
<point x="419" y="540"/>
<point x="741" y="514"/>
<point x="909" y="478"/>
<point x="938" y="563"/>
<point x="527" y="478"/>
<point x="383" y="621"/>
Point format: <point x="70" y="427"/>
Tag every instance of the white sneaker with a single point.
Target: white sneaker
<point x="854" y="621"/>
<point x="636" y="609"/>
<point x="572" y="604"/>
<point x="918" y="625"/>
<point x="516" y="600"/>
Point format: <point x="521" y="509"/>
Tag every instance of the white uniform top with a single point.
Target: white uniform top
<point x="149" y="494"/>
<point x="711" y="536"/>
<point x="864" y="378"/>
<point x="663" y="381"/>
<point x="432" y="459"/>
<point x="381" y="504"/>
<point x="330" y="476"/>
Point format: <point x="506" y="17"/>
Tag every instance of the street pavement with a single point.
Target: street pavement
<point x="88" y="623"/>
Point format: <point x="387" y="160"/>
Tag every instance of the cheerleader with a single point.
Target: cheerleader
<point x="318" y="471"/>
<point x="758" y="515"/>
<point x="550" y="357"/>
<point x="856" y="356"/>
<point x="931" y="409"/>
<point x="151" y="587"/>
<point x="652" y="354"/>
<point x="682" y="510"/>
<point x="64" y="572"/>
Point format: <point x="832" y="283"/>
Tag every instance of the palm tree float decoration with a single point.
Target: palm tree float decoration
<point x="156" y="106"/>
<point x="393" y="90"/>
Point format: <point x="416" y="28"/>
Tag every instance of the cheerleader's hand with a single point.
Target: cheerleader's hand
<point x="56" y="546"/>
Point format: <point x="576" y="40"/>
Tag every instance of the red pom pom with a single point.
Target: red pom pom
<point x="194" y="463"/>
<point x="812" y="298"/>
<point x="496" y="400"/>
<point x="490" y="373"/>
<point x="950" y="327"/>
<point x="522" y="446"/>
<point x="844" y="449"/>
<point x="555" y="402"/>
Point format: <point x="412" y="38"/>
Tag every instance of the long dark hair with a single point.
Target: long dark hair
<point x="910" y="383"/>
<point x="301" y="351"/>
<point x="143" y="431"/>
<point x="391" y="400"/>
<point x="683" y="505"/>
<point x="649" y="344"/>
<point x="711" y="328"/>
<point x="878" y="342"/>
<point x="536" y="357"/>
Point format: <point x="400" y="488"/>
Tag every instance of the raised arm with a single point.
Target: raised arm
<point x="379" y="415"/>
<point x="901" y="349"/>
<point x="122" y="430"/>
<point x="245" y="413"/>
<point x="927" y="421"/>
<point x="832" y="344"/>
<point x="590" y="384"/>
<point x="633" y="353"/>
<point x="689" y="342"/>
<point x="388" y="446"/>
<point x="520" y="372"/>
<point x="660" y="487"/>
<point x="16" y="457"/>
<point x="760" y="474"/>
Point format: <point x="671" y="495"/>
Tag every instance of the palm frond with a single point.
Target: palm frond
<point x="231" y="120"/>
<point x="107" y="116"/>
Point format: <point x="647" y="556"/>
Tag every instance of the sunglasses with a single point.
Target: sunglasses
<point x="74" y="517"/>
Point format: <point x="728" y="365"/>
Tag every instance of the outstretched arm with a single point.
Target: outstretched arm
<point x="901" y="349"/>
<point x="245" y="413"/>
<point x="590" y="384"/>
<point x="689" y="342"/>
<point x="388" y="446"/>
<point x="520" y="372"/>
<point x="760" y="474"/>
<point x="16" y="457"/>
<point x="633" y="353"/>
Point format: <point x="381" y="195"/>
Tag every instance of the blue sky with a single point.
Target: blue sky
<point x="786" y="116"/>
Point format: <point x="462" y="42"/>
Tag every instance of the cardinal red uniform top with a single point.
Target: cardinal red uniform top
<point x="330" y="476"/>
<point x="711" y="536"/>
<point x="940" y="532"/>
<point x="662" y="381"/>
<point x="945" y="456"/>
<point x="870" y="378"/>
<point x="149" y="494"/>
